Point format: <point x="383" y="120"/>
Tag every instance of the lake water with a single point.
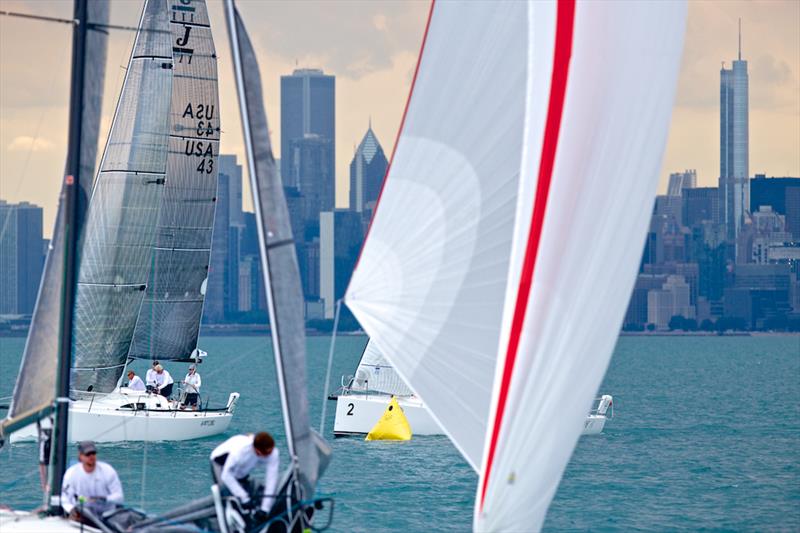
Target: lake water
<point x="706" y="434"/>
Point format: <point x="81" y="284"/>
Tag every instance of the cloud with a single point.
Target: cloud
<point x="23" y="143"/>
<point x="380" y="22"/>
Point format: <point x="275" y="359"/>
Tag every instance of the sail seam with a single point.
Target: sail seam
<point x="565" y="19"/>
<point x="152" y="57"/>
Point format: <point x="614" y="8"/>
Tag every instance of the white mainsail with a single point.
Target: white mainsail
<point x="120" y="224"/>
<point x="375" y="373"/>
<point x="509" y="230"/>
<point x="169" y="319"/>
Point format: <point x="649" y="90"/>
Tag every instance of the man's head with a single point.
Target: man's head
<point x="159" y="369"/>
<point x="87" y="455"/>
<point x="155" y="363"/>
<point x="263" y="443"/>
<point x="192" y="369"/>
<point x="131" y="373"/>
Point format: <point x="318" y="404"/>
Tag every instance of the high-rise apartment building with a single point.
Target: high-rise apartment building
<point x="734" y="186"/>
<point x="367" y="170"/>
<point x="308" y="106"/>
<point x="21" y="257"/>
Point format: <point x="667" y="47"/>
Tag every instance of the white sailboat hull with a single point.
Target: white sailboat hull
<point x="113" y="418"/>
<point x="356" y="414"/>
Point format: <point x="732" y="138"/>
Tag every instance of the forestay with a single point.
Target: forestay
<point x="589" y="177"/>
<point x="309" y="452"/>
<point x="169" y="320"/>
<point x="36" y="382"/>
<point x="430" y="284"/>
<point x="117" y="241"/>
<point x="375" y="374"/>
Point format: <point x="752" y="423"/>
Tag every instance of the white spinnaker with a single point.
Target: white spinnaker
<point x="430" y="283"/>
<point x="618" y="102"/>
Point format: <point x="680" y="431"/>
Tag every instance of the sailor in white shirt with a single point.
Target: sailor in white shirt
<point x="150" y="378"/>
<point x="90" y="482"/>
<point x="163" y="381"/>
<point x="134" y="381"/>
<point x="233" y="460"/>
<point x="191" y="386"/>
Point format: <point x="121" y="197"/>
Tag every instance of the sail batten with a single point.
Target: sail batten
<point x="121" y="219"/>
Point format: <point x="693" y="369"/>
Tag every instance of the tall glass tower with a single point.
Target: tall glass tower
<point x="734" y="182"/>
<point x="308" y="106"/>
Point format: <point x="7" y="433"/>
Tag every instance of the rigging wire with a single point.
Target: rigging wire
<point x="330" y="364"/>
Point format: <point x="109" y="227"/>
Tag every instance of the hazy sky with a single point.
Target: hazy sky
<point x="372" y="49"/>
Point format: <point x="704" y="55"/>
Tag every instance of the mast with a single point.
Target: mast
<point x="233" y="32"/>
<point x="71" y="186"/>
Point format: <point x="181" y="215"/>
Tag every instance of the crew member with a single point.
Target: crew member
<point x="233" y="460"/>
<point x="90" y="483"/>
<point x="134" y="381"/>
<point x="191" y="385"/>
<point x="150" y="378"/>
<point x="164" y="382"/>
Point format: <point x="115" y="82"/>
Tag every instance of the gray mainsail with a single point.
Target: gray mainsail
<point x="169" y="319"/>
<point x="34" y="392"/>
<point x="119" y="234"/>
<point x="308" y="451"/>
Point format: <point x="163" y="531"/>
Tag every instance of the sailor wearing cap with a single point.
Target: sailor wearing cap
<point x="90" y="482"/>
<point x="191" y="385"/>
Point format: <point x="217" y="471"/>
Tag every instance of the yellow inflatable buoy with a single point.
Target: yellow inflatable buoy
<point x="393" y="424"/>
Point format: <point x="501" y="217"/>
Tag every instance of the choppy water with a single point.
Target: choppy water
<point x="706" y="435"/>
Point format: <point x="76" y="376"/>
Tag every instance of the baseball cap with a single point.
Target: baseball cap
<point x="86" y="447"/>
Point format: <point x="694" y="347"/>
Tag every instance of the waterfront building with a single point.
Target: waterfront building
<point x="734" y="186"/>
<point x="698" y="205"/>
<point x="367" y="170"/>
<point x="673" y="299"/>
<point x="308" y="106"/>
<point x="782" y="194"/>
<point x="21" y="257"/>
<point x="223" y="276"/>
<point x="311" y="174"/>
<point x="681" y="181"/>
<point x="341" y="235"/>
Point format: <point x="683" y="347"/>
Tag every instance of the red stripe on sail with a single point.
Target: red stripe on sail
<point x="399" y="132"/>
<point x="565" y="19"/>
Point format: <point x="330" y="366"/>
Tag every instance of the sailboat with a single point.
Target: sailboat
<point x="506" y="239"/>
<point x="362" y="399"/>
<point x="296" y="508"/>
<point x="147" y="238"/>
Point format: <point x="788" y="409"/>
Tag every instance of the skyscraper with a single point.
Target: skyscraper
<point x="223" y="276"/>
<point x="341" y="234"/>
<point x="367" y="170"/>
<point x="308" y="106"/>
<point x="21" y="258"/>
<point x="678" y="181"/>
<point x="734" y="180"/>
<point x="310" y="173"/>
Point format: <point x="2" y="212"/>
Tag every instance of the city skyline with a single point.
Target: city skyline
<point x="374" y="59"/>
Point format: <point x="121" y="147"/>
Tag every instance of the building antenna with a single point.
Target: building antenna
<point x="740" y="38"/>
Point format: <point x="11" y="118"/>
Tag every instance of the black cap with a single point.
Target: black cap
<point x="155" y="362"/>
<point x="86" y="447"/>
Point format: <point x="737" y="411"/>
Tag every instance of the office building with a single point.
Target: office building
<point x="311" y="175"/>
<point x="782" y="194"/>
<point x="700" y="204"/>
<point x="308" y="107"/>
<point x="341" y="234"/>
<point x="21" y="257"/>
<point x="367" y="170"/>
